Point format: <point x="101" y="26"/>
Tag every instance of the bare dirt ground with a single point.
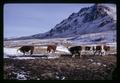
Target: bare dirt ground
<point x="63" y="68"/>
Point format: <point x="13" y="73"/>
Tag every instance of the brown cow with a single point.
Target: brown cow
<point x="25" y="49"/>
<point x="51" y="47"/>
<point x="106" y="48"/>
<point x="74" y="50"/>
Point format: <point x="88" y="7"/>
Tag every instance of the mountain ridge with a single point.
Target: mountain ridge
<point x="94" y="19"/>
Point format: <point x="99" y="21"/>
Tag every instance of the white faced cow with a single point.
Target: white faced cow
<point x="25" y="49"/>
<point x="52" y="48"/>
<point x="106" y="49"/>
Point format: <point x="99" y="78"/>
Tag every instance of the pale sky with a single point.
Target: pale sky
<point x="29" y="19"/>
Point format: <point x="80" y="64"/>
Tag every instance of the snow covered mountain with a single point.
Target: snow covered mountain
<point x="95" y="19"/>
<point x="98" y="18"/>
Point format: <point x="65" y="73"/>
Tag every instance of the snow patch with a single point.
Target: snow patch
<point x="24" y="58"/>
<point x="11" y="52"/>
<point x="21" y="76"/>
<point x="63" y="49"/>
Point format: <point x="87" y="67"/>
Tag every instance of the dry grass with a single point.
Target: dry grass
<point x="86" y="68"/>
<point x="39" y="50"/>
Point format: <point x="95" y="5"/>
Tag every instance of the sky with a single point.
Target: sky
<point x="29" y="19"/>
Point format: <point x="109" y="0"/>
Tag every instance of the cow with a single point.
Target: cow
<point x="87" y="48"/>
<point x="51" y="48"/>
<point x="106" y="49"/>
<point x="97" y="49"/>
<point x="75" y="50"/>
<point x="25" y="49"/>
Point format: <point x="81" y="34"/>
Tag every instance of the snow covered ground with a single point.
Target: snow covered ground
<point x="8" y="52"/>
<point x="94" y="38"/>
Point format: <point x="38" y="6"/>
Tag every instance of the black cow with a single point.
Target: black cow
<point x="75" y="50"/>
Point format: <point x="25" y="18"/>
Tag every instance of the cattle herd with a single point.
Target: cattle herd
<point x="74" y="50"/>
<point x="97" y="50"/>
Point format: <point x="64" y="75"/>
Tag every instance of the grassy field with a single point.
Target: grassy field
<point x="63" y="68"/>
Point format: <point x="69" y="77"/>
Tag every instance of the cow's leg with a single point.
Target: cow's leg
<point x="94" y="53"/>
<point x="101" y="53"/>
<point x="73" y="54"/>
<point x="48" y="51"/>
<point x="53" y="51"/>
<point x="24" y="53"/>
<point x="98" y="53"/>
<point x="31" y="52"/>
<point x="79" y="53"/>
